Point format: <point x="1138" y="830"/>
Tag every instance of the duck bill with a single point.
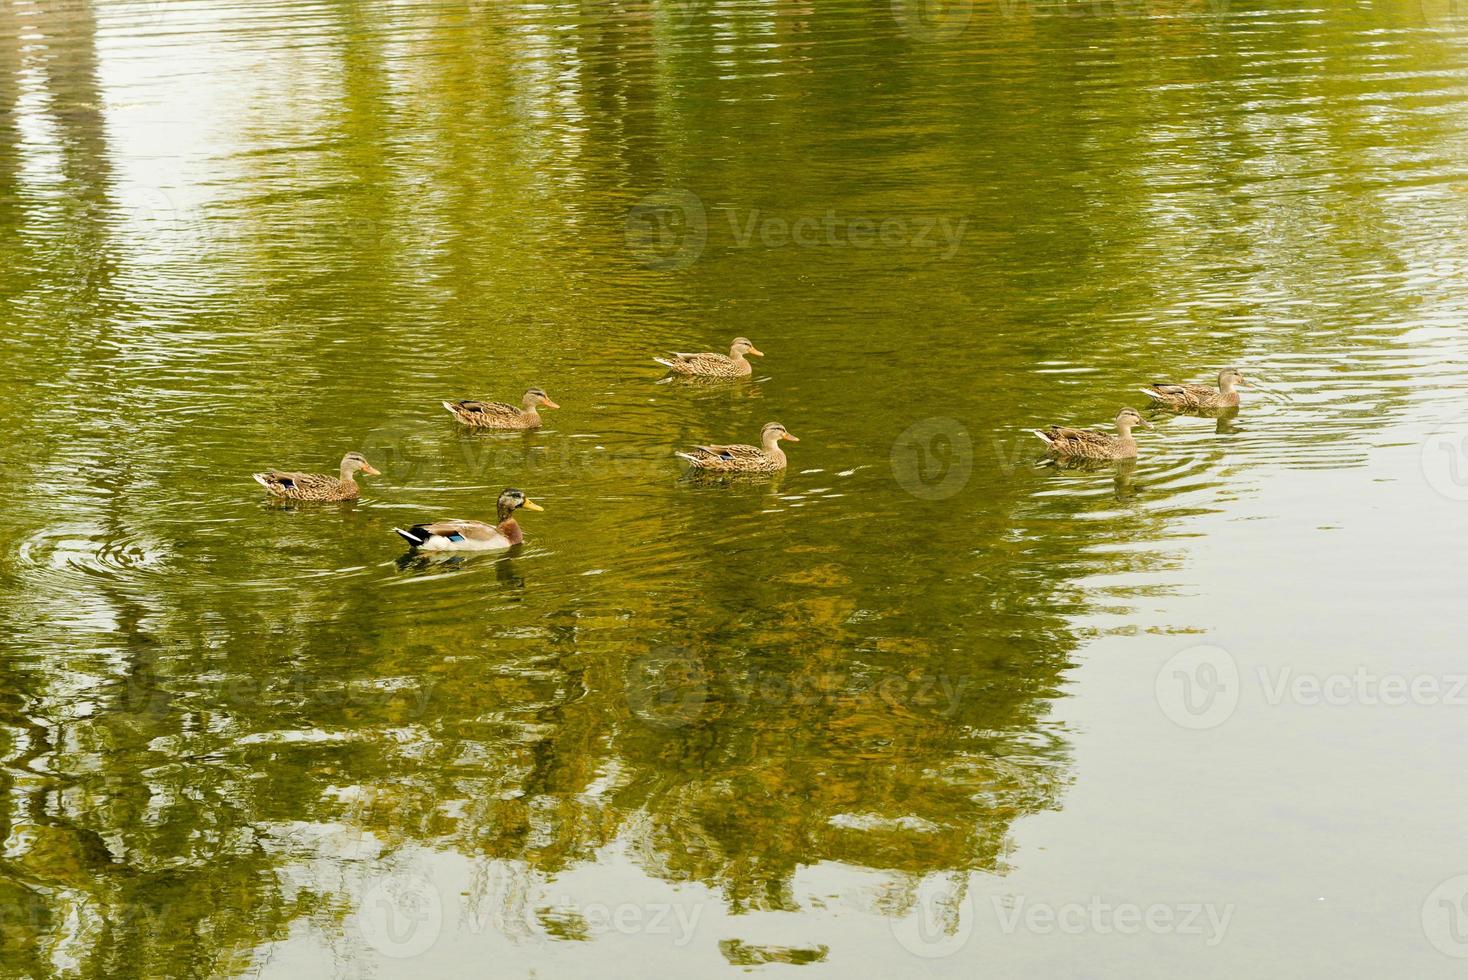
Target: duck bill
<point x="757" y="352"/>
<point x="787" y="436"/>
<point x="371" y="471"/>
<point x="548" y="403"/>
<point x="532" y="505"/>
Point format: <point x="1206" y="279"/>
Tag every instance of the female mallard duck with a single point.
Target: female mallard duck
<point x="498" y="415"/>
<point x="715" y="365"/>
<point x="1093" y="444"/>
<point x="318" y="486"/>
<point x="473" y="535"/>
<point x="765" y="458"/>
<point x="1200" y="396"/>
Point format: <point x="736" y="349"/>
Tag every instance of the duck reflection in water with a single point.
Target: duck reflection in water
<point x="422" y="563"/>
<point x="1224" y="417"/>
<point x="1123" y="471"/>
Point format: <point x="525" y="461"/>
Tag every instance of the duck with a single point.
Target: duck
<point x="1187" y="396"/>
<point x="764" y="458"/>
<point x="457" y="535"/>
<point x="499" y="415"/>
<point x="1094" y="444"/>
<point x="710" y="365"/>
<point x="318" y="486"/>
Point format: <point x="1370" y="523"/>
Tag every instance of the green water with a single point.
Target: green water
<point x="918" y="706"/>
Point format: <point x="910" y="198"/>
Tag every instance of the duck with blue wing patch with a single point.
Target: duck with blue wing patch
<point x="458" y="535"/>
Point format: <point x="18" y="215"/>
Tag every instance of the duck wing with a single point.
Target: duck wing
<point x="283" y="482"/>
<point x="456" y="530"/>
<point x="1078" y="442"/>
<point x="1190" y="396"/>
<point x="729" y="454"/>
<point x="473" y="408"/>
<point x="700" y="363"/>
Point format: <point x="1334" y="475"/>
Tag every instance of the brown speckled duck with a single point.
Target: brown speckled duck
<point x="764" y="458"/>
<point x="318" y="486"/>
<point x="1093" y="444"/>
<point x="1188" y="396"/>
<point x="711" y="365"/>
<point x="473" y="535"/>
<point x="499" y="415"/>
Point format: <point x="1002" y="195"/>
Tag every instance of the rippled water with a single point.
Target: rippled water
<point x="918" y="705"/>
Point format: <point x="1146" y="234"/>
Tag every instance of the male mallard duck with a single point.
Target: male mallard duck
<point x="766" y="458"/>
<point x="1093" y="444"/>
<point x="318" y="486"/>
<point x="1200" y="396"/>
<point x="498" y="415"/>
<point x="473" y="535"/>
<point x="715" y="365"/>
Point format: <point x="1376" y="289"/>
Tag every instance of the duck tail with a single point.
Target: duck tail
<point x="1044" y="436"/>
<point x="1152" y="393"/>
<point x="663" y="361"/>
<point x="408" y="536"/>
<point x="692" y="459"/>
<point x="264" y="480"/>
<point x="453" y="409"/>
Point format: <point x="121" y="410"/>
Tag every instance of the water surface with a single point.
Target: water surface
<point x="917" y="705"/>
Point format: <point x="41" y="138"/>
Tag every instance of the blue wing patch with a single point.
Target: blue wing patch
<point x="456" y="536"/>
